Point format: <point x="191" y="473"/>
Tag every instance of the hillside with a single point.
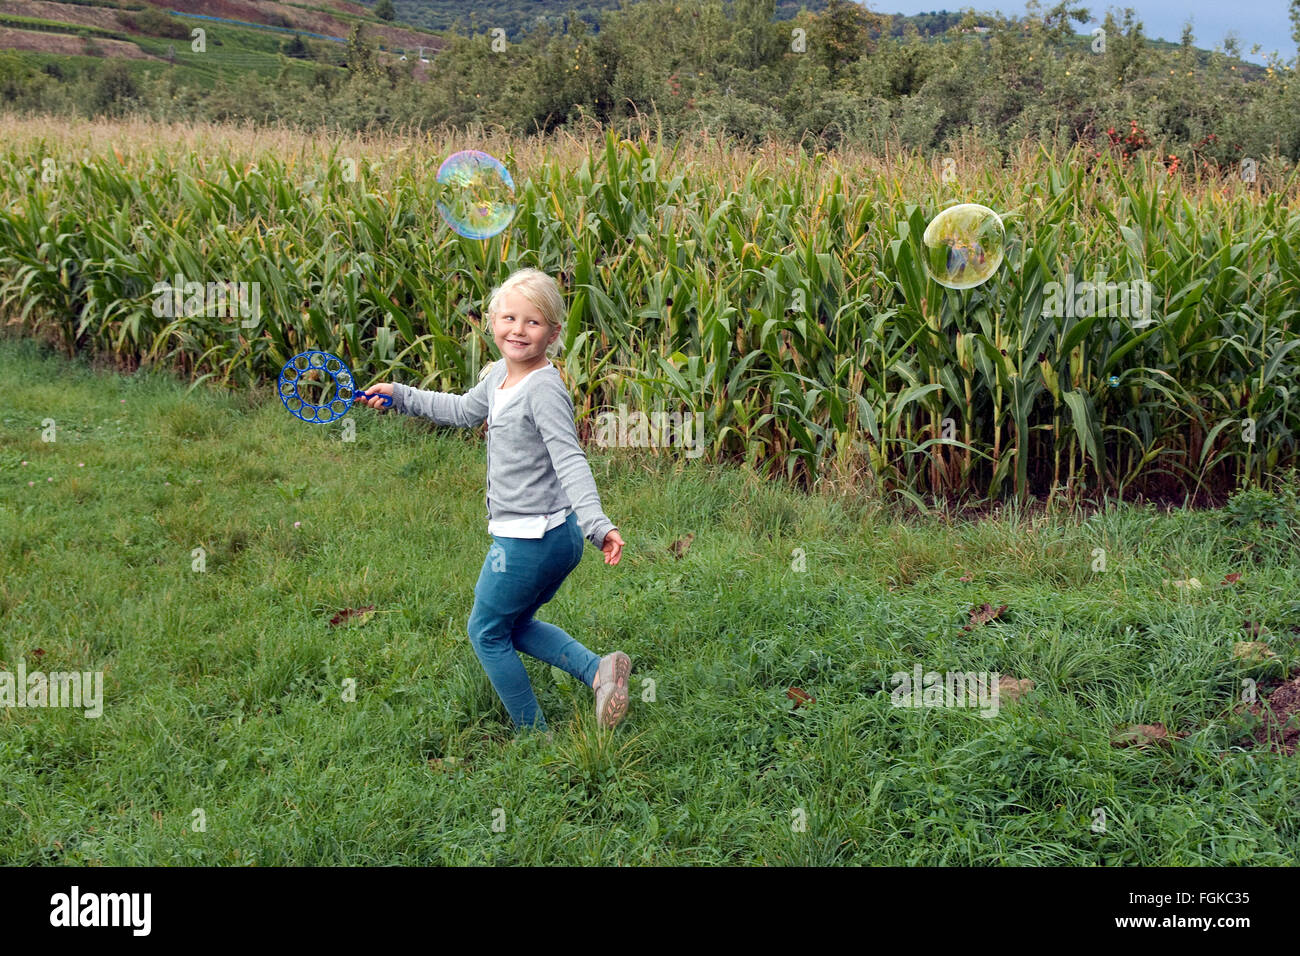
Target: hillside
<point x="241" y="36"/>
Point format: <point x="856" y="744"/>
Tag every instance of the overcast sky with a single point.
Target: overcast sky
<point x="1255" y="21"/>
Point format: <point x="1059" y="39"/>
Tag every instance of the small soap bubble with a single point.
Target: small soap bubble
<point x="478" y="195"/>
<point x="963" y="245"/>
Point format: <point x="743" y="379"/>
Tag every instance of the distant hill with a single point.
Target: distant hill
<point x="64" y="37"/>
<point x="241" y="36"/>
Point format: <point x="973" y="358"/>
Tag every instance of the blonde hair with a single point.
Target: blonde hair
<point x="539" y="289"/>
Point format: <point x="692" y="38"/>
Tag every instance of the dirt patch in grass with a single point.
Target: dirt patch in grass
<point x="1280" y="716"/>
<point x="68" y="45"/>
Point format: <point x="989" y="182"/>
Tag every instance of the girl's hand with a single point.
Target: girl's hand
<point x="374" y="391"/>
<point x="612" y="546"/>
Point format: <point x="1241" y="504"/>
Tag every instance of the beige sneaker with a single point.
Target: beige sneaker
<point x="611" y="691"/>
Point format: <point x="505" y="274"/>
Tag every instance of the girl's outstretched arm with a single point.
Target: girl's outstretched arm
<point x="552" y="410"/>
<point x="445" y="408"/>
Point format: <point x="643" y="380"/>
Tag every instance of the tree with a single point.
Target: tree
<point x="843" y="29"/>
<point x="114" y="90"/>
<point x="1295" y="23"/>
<point x="1125" y="45"/>
<point x="295" y="48"/>
<point x="754" y="33"/>
<point x="1056" y="21"/>
<point x="384" y="10"/>
<point x="16" y="78"/>
<point x="361" y="55"/>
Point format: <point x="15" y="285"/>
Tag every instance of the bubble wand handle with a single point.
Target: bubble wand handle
<point x="363" y="397"/>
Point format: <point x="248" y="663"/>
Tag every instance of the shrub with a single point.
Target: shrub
<point x="155" y="23"/>
<point x="115" y="89"/>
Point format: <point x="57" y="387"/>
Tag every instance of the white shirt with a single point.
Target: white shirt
<point x="534" y="526"/>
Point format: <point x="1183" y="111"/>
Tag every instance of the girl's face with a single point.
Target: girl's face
<point x="520" y="332"/>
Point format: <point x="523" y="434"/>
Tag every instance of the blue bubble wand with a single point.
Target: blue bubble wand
<point x="336" y="405"/>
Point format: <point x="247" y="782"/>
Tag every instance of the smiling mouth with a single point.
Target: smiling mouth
<point x="517" y="344"/>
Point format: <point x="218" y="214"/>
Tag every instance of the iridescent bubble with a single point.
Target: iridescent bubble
<point x="478" y="195"/>
<point x="963" y="245"/>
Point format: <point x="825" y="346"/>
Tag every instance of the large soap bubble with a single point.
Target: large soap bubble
<point x="963" y="245"/>
<point x="478" y="196"/>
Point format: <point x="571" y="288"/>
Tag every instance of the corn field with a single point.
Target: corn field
<point x="779" y="293"/>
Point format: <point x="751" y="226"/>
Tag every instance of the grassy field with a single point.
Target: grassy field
<point x="223" y="689"/>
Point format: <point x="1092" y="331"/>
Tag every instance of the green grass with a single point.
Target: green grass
<point x="223" y="688"/>
<point x="56" y="26"/>
<point x="240" y="51"/>
<point x="232" y="50"/>
<point x="198" y="70"/>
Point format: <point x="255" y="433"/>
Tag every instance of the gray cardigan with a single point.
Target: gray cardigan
<point x="535" y="465"/>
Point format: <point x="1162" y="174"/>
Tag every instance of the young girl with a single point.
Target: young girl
<point x="540" y="491"/>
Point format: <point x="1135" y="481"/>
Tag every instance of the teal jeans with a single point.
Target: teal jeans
<point x="520" y="575"/>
